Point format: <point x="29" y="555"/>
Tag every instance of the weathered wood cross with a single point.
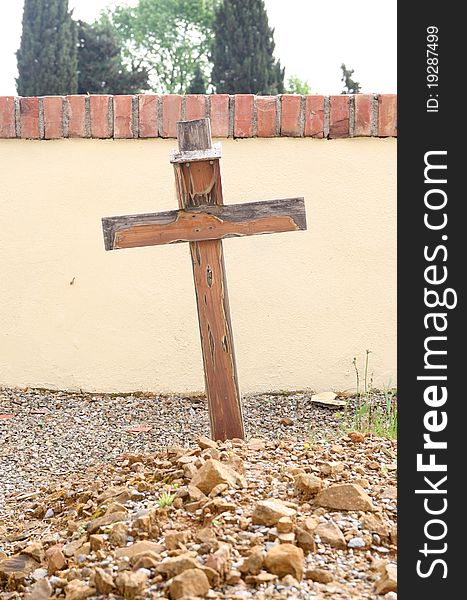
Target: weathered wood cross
<point x="204" y="221"/>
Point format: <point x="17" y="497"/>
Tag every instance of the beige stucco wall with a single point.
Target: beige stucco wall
<point x="303" y="304"/>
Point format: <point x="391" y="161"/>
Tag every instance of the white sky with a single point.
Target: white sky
<point x="312" y="39"/>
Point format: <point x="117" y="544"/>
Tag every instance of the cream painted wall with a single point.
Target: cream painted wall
<point x="303" y="304"/>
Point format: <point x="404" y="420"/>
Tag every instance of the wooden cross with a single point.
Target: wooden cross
<point x="203" y="221"/>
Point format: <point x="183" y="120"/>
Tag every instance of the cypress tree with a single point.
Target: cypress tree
<point x="243" y="50"/>
<point x="100" y="66"/>
<point x="47" y="57"/>
<point x="198" y="83"/>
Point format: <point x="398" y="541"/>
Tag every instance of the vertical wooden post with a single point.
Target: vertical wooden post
<point x="199" y="183"/>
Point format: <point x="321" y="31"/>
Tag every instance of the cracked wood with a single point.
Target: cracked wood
<point x="204" y="223"/>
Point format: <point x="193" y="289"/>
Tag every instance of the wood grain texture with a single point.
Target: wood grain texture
<point x="204" y="223"/>
<point x="198" y="184"/>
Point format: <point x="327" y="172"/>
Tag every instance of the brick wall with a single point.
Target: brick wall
<point x="239" y="116"/>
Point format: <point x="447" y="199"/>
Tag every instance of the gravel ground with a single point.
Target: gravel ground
<point x="54" y="433"/>
<point x="76" y="464"/>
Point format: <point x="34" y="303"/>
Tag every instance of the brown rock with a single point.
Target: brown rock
<point x="356" y="437"/>
<point x="56" y="562"/>
<point x="70" y="548"/>
<point x="35" y="550"/>
<point x="17" y="568"/>
<point x="331" y="468"/>
<point x="103" y="581"/>
<point x="268" y="512"/>
<point x="283" y="538"/>
<point x="286" y="421"/>
<point x="192" y="582"/>
<point x="310" y="523"/>
<point x="233" y="577"/>
<point x="173" y="538"/>
<point x="118" y="535"/>
<point x="306" y="485"/>
<point x="107" y="519"/>
<point x="171" y="567"/>
<point x="214" y="472"/>
<point x="145" y="561"/>
<point x="319" y="575"/>
<point x="388" y="581"/>
<point x="205" y="535"/>
<point x="97" y="541"/>
<point x="375" y="524"/>
<point x="41" y="590"/>
<point x="394" y="535"/>
<point x="142" y="547"/>
<point x="236" y="463"/>
<point x="220" y="560"/>
<point x="131" y="584"/>
<point x="284" y="525"/>
<point x="78" y="590"/>
<point x="330" y="533"/>
<point x="204" y="442"/>
<point x="213" y="576"/>
<point x="285" y="559"/>
<point x="113" y="507"/>
<point x="305" y="540"/>
<point x="345" y="496"/>
<point x="254" y="563"/>
<point x="262" y="577"/>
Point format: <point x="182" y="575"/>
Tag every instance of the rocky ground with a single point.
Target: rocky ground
<point x="120" y="496"/>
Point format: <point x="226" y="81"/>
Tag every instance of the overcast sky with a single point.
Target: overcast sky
<point x="312" y="40"/>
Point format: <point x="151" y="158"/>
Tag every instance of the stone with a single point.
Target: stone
<point x="218" y="489"/>
<point x="145" y="561"/>
<point x="17" y="567"/>
<point x="306" y="485"/>
<point x="394" y="535"/>
<point x="41" y="590"/>
<point x="286" y="421"/>
<point x="375" y="524"/>
<point x="205" y="535"/>
<point x="331" y="468"/>
<point x="330" y="533"/>
<point x="356" y="542"/>
<point x="388" y="580"/>
<point x="56" y="562"/>
<point x="205" y="442"/>
<point x="39" y="573"/>
<point x="131" y="584"/>
<point x="356" y="437"/>
<point x="253" y="564"/>
<point x="233" y="577"/>
<point x="327" y="399"/>
<point x="107" y="519"/>
<point x="285" y="559"/>
<point x="192" y="582"/>
<point x="319" y="575"/>
<point x="78" y="590"/>
<point x="70" y="549"/>
<point x="305" y="540"/>
<point x="220" y="560"/>
<point x="97" y="541"/>
<point x="284" y="525"/>
<point x="175" y="565"/>
<point x="103" y="581"/>
<point x="268" y="512"/>
<point x="236" y="463"/>
<point x="310" y="523"/>
<point x="283" y="538"/>
<point x="35" y="550"/>
<point x="173" y="539"/>
<point x="345" y="496"/>
<point x="113" y="507"/>
<point x="213" y="472"/>
<point x="139" y="548"/>
<point x="213" y="576"/>
<point x="118" y="535"/>
<point x="261" y="578"/>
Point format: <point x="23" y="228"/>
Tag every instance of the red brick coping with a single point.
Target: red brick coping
<point x="239" y="116"/>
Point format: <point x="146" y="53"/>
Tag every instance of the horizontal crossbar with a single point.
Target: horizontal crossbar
<point x="204" y="223"/>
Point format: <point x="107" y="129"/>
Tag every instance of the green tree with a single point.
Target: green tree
<point x="243" y="50"/>
<point x="100" y="66"/>
<point x="170" y="38"/>
<point x="47" y="56"/>
<point x="350" y="86"/>
<point x="198" y="83"/>
<point x="295" y="85"/>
